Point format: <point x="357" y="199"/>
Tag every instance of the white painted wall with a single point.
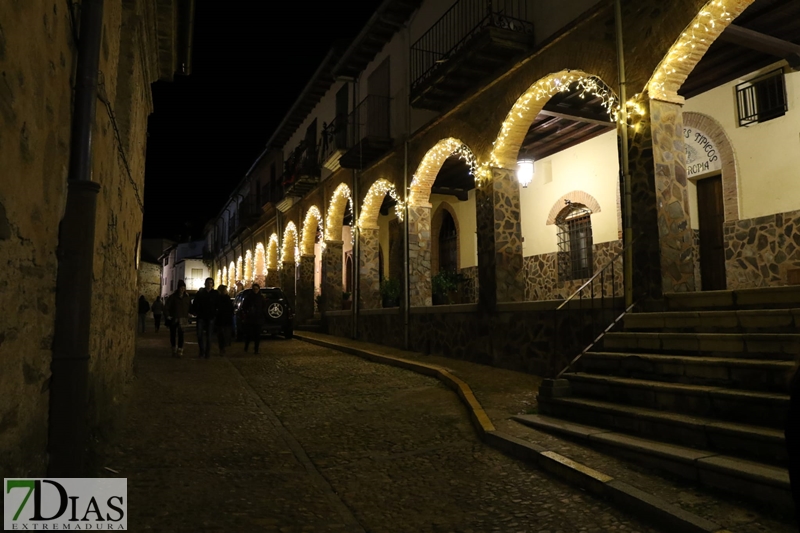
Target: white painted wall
<point x="767" y="154"/>
<point x="591" y="167"/>
<point x="467" y="226"/>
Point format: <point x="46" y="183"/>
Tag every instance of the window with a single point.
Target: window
<point x="761" y="99"/>
<point x="448" y="244"/>
<point x="574" y="242"/>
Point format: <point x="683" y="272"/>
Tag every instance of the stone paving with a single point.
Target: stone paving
<point x="504" y="393"/>
<point x="303" y="438"/>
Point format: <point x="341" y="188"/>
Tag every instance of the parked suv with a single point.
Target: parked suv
<point x="279" y="314"/>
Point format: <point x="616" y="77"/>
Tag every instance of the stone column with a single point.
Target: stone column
<point x="419" y="255"/>
<point x="663" y="254"/>
<point x="369" y="290"/>
<point x="273" y="278"/>
<point x="288" y="282"/>
<point x="305" y="290"/>
<point x="332" y="275"/>
<point x="500" y="272"/>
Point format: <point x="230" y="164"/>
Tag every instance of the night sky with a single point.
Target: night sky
<point x="250" y="62"/>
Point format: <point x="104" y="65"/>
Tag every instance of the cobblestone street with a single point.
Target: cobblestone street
<point x="303" y="438"/>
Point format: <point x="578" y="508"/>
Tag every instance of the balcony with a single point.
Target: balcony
<point x="334" y="143"/>
<point x="301" y="171"/>
<point x="368" y="132"/>
<point x="247" y="215"/>
<point x="468" y="45"/>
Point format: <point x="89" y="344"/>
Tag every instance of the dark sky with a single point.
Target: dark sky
<point x="250" y="62"/>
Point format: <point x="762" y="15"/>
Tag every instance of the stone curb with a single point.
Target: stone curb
<point x="663" y="514"/>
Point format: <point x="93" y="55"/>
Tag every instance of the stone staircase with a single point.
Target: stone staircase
<point x="698" y="390"/>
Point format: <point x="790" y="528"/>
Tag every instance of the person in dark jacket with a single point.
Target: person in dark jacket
<point x="254" y="309"/>
<point x="204" y="308"/>
<point x="144" y="307"/>
<point x="178" y="314"/>
<point x="158" y="310"/>
<point x="224" y="318"/>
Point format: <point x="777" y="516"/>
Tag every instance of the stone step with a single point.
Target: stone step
<point x="747" y="407"/>
<point x="309" y="327"/>
<point x="782" y="346"/>
<point x="752" y="442"/>
<point x="750" y="374"/>
<point x="755" y="481"/>
<point x="762" y="298"/>
<point x="753" y="320"/>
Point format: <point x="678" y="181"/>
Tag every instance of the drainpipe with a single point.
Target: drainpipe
<point x="622" y="126"/>
<point x="356" y="213"/>
<point x="406" y="194"/>
<point x="69" y="381"/>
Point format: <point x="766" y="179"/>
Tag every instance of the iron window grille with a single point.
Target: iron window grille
<point x="762" y="98"/>
<point x="574" y="243"/>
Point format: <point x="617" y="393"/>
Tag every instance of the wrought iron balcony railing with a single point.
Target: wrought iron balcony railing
<point x="464" y="20"/>
<point x="369" y="132"/>
<point x="333" y="142"/>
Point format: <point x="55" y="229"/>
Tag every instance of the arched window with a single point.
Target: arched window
<point x="348" y="284"/>
<point x="448" y="244"/>
<point x="574" y="242"/>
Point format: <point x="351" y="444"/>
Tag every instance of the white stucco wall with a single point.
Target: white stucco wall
<point x="767" y="154"/>
<point x="591" y="167"/>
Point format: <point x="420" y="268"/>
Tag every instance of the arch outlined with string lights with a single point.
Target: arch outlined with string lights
<point x="431" y="164"/>
<point x="248" y="266"/>
<point x="312" y="222"/>
<point x="373" y="200"/>
<point x="289" y="249"/>
<point x="524" y="111"/>
<point x="259" y="263"/>
<point x="336" y="210"/>
<point x="272" y="252"/>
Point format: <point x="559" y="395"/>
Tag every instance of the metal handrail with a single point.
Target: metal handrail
<point x="606" y="305"/>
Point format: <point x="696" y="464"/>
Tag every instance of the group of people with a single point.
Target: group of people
<point x="213" y="309"/>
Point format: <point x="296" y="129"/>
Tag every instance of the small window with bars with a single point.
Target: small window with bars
<point x="574" y="242"/>
<point x="762" y="98"/>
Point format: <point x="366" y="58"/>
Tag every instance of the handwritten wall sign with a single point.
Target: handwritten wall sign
<point x="702" y="156"/>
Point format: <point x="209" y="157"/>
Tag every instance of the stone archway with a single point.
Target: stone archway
<point x="436" y="226"/>
<point x="239" y="270"/>
<point x="271" y="260"/>
<point x="332" y="255"/>
<point x="369" y="241"/>
<point x="574" y="197"/>
<point x="247" y="276"/>
<point x="419" y="215"/>
<point x="288" y="264"/>
<point x="260" y="265"/>
<point x="305" y="284"/>
<point x="232" y="275"/>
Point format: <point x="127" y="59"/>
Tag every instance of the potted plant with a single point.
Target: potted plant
<point x="445" y="287"/>
<point x="347" y="303"/>
<point x="390" y="292"/>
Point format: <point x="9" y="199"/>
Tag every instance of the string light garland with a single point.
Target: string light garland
<point x="232" y="274"/>
<point x="272" y="252"/>
<point x="374" y="199"/>
<point x="336" y="211"/>
<point x="260" y="261"/>
<point x="291" y="230"/>
<point x="520" y="115"/>
<point x="239" y="270"/>
<point x="690" y="47"/>
<point x="308" y="236"/>
<point x="432" y="163"/>
<point x="248" y="266"/>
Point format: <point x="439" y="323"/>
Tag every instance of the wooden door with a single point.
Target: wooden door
<point x="712" y="242"/>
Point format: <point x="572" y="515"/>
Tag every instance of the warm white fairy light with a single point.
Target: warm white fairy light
<point x="374" y="199"/>
<point x="219" y="277"/>
<point x="432" y="163"/>
<point x="272" y="252"/>
<point x="692" y="45"/>
<point x="239" y="270"/>
<point x="312" y="221"/>
<point x="248" y="266"/>
<point x="336" y="211"/>
<point x="232" y="274"/>
<point x="544" y="89"/>
<point x="260" y="262"/>
<point x="289" y="245"/>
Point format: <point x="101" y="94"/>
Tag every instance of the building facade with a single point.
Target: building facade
<point x="138" y="43"/>
<point x="401" y="164"/>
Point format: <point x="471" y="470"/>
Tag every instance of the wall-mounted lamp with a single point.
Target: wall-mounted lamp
<point x="525" y="172"/>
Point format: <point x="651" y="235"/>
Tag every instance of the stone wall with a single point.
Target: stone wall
<point x="37" y="61"/>
<point x="541" y="274"/>
<point x="149" y="276"/>
<point x="759" y="252"/>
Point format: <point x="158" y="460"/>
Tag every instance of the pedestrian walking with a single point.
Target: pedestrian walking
<point x="144" y="307"/>
<point x="158" y="310"/>
<point x="204" y="308"/>
<point x="224" y="319"/>
<point x="792" y="434"/>
<point x="177" y="309"/>
<point x="254" y="309"/>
